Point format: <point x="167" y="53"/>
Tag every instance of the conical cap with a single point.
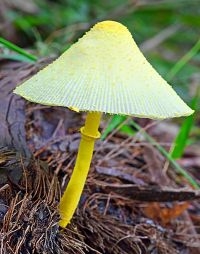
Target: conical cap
<point x="106" y="72"/>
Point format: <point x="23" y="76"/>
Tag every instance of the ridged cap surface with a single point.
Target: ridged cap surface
<point x="105" y="71"/>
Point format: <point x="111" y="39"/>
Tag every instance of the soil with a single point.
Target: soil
<point x="130" y="204"/>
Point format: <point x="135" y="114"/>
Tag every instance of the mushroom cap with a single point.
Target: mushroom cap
<point x="106" y="72"/>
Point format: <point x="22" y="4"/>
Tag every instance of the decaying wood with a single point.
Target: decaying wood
<point x="153" y="194"/>
<point x="12" y="115"/>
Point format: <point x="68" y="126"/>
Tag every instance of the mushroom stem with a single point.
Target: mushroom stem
<point x="72" y="194"/>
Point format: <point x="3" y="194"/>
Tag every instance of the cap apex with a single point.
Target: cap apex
<point x="111" y="26"/>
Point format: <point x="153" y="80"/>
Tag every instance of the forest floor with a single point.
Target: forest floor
<point x="133" y="202"/>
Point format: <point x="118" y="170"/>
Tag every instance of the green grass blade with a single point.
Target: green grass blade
<point x="115" y="121"/>
<point x="16" y="57"/>
<point x="180" y="142"/>
<point x="17" y="49"/>
<point x="181" y="139"/>
<point x="126" y="129"/>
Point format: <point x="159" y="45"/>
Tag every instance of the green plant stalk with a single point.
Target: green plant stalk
<point x="17" y="49"/>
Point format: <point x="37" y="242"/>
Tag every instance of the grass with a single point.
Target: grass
<point x="21" y="55"/>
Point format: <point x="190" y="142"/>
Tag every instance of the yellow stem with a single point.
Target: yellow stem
<point x="72" y="194"/>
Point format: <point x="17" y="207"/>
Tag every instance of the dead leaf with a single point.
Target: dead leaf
<point x="164" y="214"/>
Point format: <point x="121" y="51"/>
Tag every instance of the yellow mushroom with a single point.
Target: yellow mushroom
<point x="103" y="72"/>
